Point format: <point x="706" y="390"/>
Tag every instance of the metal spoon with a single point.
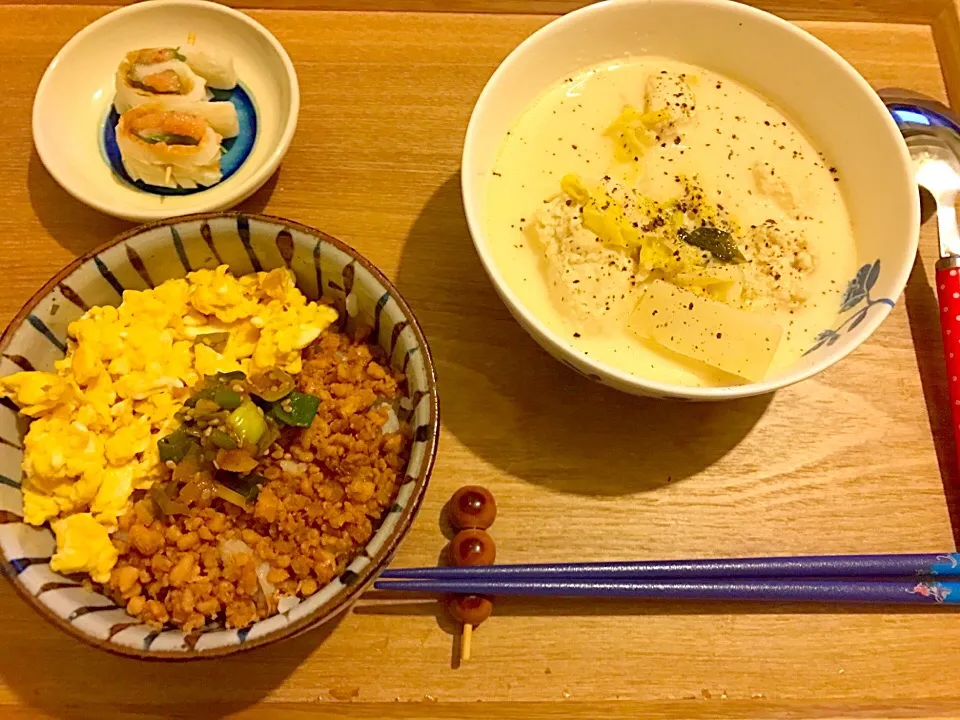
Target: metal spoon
<point x="937" y="170"/>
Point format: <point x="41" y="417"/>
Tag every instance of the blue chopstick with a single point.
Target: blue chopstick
<point x="756" y="590"/>
<point x="816" y="566"/>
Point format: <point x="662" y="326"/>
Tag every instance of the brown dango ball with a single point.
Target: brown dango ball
<point x="469" y="609"/>
<point x="472" y="547"/>
<point x="472" y="506"/>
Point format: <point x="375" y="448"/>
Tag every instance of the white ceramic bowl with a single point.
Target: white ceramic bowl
<point x="77" y="90"/>
<point x="817" y="88"/>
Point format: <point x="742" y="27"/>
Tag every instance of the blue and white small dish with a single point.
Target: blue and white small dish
<point x="145" y="257"/>
<point x="74" y="121"/>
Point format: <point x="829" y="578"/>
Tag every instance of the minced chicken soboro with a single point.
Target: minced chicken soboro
<point x="328" y="486"/>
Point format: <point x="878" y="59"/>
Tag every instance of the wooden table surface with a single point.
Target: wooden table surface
<point x="844" y="463"/>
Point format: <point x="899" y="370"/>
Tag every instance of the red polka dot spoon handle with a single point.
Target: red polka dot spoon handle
<point x="948" y="292"/>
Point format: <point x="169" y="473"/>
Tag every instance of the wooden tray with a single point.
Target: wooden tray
<point x="847" y="462"/>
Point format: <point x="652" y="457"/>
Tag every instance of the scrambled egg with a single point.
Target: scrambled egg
<point x="97" y="419"/>
<point x="83" y="544"/>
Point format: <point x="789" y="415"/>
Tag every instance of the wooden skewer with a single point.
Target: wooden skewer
<point x="465" y="639"/>
<point x="166" y="178"/>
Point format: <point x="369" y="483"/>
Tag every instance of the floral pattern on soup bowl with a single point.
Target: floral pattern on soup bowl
<point x="856" y="297"/>
<point x="143" y="258"/>
<point x="794" y="72"/>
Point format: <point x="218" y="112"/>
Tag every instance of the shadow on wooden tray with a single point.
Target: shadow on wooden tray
<point x="79" y="228"/>
<point x="525" y="413"/>
<point x="45" y="667"/>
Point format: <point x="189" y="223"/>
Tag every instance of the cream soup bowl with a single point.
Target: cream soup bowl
<point x="811" y="83"/>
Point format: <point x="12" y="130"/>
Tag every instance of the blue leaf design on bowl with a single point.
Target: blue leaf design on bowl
<point x="857" y="292"/>
<point x="873" y="275"/>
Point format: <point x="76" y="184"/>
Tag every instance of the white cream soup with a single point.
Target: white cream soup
<point x="673" y="175"/>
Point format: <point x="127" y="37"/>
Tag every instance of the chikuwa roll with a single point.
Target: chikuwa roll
<point x="157" y="75"/>
<point x="213" y="66"/>
<point x="171" y="147"/>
